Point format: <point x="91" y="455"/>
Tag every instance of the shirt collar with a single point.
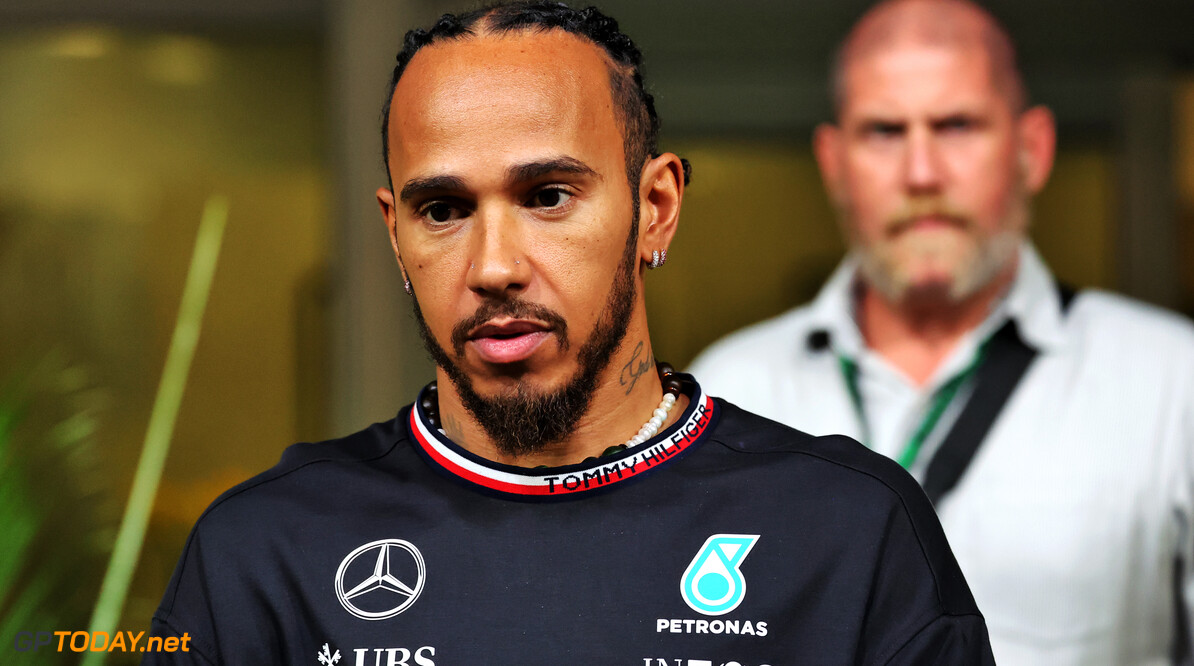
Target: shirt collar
<point x="1032" y="301"/>
<point x="831" y="316"/>
<point x="593" y="476"/>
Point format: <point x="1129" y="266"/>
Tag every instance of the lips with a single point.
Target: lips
<point x="925" y="223"/>
<point x="508" y="341"/>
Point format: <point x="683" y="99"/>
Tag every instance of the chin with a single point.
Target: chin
<point x="511" y="379"/>
<point x="930" y="291"/>
<point x="900" y="282"/>
<point x="935" y="268"/>
<point x="955" y="283"/>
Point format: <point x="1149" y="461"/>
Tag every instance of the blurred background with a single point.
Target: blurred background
<point x="119" y="118"/>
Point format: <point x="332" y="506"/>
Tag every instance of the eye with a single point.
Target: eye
<point x="549" y="197"/>
<point x="441" y="212"/>
<point x="883" y="130"/>
<point x="955" y="124"/>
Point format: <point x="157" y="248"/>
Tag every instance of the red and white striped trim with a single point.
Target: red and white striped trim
<point x="572" y="479"/>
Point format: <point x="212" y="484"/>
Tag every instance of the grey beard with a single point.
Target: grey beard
<point x="991" y="258"/>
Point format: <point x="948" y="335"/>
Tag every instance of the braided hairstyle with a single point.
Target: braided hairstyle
<point x="635" y="108"/>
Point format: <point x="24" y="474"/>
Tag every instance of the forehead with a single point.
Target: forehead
<point x="523" y="92"/>
<point x="914" y="77"/>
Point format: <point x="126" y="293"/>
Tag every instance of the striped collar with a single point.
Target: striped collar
<point x="568" y="481"/>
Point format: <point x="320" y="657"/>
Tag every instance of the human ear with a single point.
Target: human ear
<point x="827" y="148"/>
<point x="661" y="189"/>
<point x="385" y="199"/>
<point x="1038" y="143"/>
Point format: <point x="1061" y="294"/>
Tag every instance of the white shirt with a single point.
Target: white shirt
<point x="1069" y="519"/>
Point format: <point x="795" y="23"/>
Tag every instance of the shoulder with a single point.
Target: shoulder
<point x="756" y="345"/>
<point x="1109" y="314"/>
<point x="746" y="341"/>
<point x="237" y="529"/>
<point x="867" y="471"/>
<point x="857" y="485"/>
<point x="1131" y="334"/>
<point x="306" y="473"/>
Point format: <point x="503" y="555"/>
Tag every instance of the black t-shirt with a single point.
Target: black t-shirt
<point x="726" y="539"/>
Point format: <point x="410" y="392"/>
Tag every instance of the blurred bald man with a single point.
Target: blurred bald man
<point x="1054" y="432"/>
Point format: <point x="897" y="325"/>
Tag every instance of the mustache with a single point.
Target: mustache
<point x="514" y="308"/>
<point x="922" y="207"/>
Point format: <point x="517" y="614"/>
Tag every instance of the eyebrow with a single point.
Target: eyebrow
<point x="519" y="173"/>
<point x="418" y="186"/>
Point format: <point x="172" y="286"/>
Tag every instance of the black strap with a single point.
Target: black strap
<point x="1180" y="651"/>
<point x="1008" y="358"/>
<point x="1066" y="294"/>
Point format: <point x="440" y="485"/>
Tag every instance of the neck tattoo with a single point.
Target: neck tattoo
<point x="671" y="392"/>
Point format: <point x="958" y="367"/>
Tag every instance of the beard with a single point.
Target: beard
<point x="523" y="420"/>
<point x="971" y="258"/>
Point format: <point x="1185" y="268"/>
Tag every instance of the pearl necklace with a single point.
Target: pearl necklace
<point x="671" y="391"/>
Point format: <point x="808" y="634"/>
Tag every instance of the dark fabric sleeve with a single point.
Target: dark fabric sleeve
<point x="949" y="640"/>
<point x="185" y="611"/>
<point x="920" y="609"/>
<point x="192" y="656"/>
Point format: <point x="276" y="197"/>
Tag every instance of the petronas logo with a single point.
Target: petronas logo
<point x="712" y="583"/>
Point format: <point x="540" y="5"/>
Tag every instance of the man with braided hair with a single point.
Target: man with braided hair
<point x="556" y="496"/>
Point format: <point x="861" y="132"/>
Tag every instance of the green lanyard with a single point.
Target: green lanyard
<point x="941" y="399"/>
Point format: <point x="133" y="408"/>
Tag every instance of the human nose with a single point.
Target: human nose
<point x="497" y="263"/>
<point x="922" y="168"/>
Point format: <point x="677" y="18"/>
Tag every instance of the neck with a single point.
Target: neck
<point x="917" y="337"/>
<point x="628" y="391"/>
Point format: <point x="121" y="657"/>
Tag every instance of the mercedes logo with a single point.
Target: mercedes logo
<point x="376" y="572"/>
